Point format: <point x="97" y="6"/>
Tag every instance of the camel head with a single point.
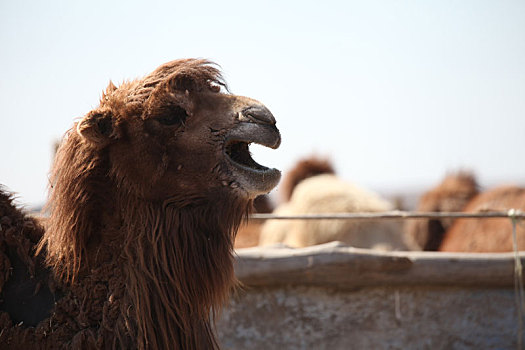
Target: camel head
<point x="174" y="141"/>
<point x="177" y="134"/>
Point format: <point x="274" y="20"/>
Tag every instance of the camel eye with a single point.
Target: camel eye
<point x="174" y="115"/>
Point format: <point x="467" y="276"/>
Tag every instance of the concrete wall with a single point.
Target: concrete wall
<point x="336" y="297"/>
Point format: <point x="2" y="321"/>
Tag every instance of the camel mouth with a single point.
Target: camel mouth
<point x="239" y="153"/>
<point x="252" y="176"/>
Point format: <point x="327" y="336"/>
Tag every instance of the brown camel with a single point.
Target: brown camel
<point x="147" y="192"/>
<point x="488" y="235"/>
<point x="451" y="195"/>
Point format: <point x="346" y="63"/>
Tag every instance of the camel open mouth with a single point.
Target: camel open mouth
<point x="252" y="176"/>
<point x="239" y="153"/>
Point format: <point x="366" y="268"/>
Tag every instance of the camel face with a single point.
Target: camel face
<point x="208" y="146"/>
<point x="175" y="132"/>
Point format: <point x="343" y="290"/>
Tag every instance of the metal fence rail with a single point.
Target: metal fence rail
<point x="511" y="214"/>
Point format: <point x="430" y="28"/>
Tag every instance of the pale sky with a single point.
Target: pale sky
<point x="397" y="93"/>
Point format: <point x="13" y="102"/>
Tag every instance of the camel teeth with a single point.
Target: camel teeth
<point x="242" y="117"/>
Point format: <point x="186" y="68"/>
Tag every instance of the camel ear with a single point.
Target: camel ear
<point x="96" y="128"/>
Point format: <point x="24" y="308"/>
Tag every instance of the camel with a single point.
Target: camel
<point x="451" y="195"/>
<point x="488" y="235"/>
<point x="327" y="193"/>
<point x="146" y="194"/>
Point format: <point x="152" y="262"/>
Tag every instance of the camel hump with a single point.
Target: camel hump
<point x="25" y="293"/>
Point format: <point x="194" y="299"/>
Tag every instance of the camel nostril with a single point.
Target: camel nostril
<point x="259" y="114"/>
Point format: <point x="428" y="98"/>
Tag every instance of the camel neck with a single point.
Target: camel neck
<point x="178" y="269"/>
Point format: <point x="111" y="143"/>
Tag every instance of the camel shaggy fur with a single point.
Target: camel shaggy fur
<point x="147" y="192"/>
<point x="488" y="235"/>
<point x="328" y="194"/>
<point x="451" y="195"/>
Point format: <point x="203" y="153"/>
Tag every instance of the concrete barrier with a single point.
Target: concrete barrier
<point x="336" y="297"/>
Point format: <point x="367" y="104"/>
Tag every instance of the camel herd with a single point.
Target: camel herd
<point x="311" y="187"/>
